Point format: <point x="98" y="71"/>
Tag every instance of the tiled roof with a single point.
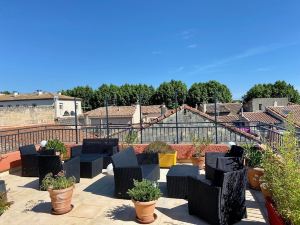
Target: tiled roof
<point x="33" y="96"/>
<point x="260" y="117"/>
<point x="283" y="111"/>
<point x="204" y="115"/>
<point x="251" y="117"/>
<point x="151" y="109"/>
<point x="232" y="108"/>
<point x="113" y="111"/>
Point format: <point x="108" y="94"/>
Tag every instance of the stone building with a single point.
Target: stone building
<point x="260" y="104"/>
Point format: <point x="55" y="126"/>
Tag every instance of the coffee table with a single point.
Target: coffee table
<point x="177" y="182"/>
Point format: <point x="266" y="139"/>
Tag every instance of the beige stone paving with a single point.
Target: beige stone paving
<point x="94" y="204"/>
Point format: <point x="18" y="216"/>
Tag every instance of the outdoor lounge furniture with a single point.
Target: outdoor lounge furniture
<point x="221" y="201"/>
<point x="29" y="160"/>
<point x="97" y="147"/>
<point x="232" y="160"/>
<point x="128" y="166"/>
<point x="177" y="180"/>
<point x="90" y="165"/>
<point x="53" y="164"/>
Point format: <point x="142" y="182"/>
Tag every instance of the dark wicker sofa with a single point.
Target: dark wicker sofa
<point x="53" y="164"/>
<point x="129" y="166"/>
<point x="29" y="160"/>
<point x="98" y="148"/>
<point x="232" y="160"/>
<point x="220" y="201"/>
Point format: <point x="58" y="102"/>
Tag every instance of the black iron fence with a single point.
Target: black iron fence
<point x="11" y="140"/>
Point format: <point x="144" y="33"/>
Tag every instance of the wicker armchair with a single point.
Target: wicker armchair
<point x="53" y="164"/>
<point x="221" y="201"/>
<point x="128" y="166"/>
<point x="232" y="160"/>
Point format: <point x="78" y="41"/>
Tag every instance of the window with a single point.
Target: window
<point x="260" y="107"/>
<point x="76" y="105"/>
<point x="66" y="113"/>
<point x="61" y="105"/>
<point x="72" y="113"/>
<point x="1" y="105"/>
<point x="34" y="105"/>
<point x="17" y="105"/>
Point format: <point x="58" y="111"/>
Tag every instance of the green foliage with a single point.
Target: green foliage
<point x="4" y="204"/>
<point x="145" y="191"/>
<point x="57" y="182"/>
<point x="5" y="92"/>
<point x="159" y="147"/>
<point x="206" y="92"/>
<point x="57" y="145"/>
<point x="86" y="93"/>
<point x="166" y="93"/>
<point x="282" y="175"/>
<point x="253" y="155"/>
<point x="131" y="137"/>
<point x="199" y="145"/>
<point x="279" y="89"/>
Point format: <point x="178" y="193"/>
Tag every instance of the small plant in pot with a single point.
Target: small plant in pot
<point x="57" y="146"/>
<point x="144" y="195"/>
<point x="253" y="158"/>
<point x="60" y="189"/>
<point x="167" y="155"/>
<point x="198" y="157"/>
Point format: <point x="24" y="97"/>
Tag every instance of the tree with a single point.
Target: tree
<point x="280" y="89"/>
<point x="130" y="94"/>
<point x="5" y="92"/>
<point x="111" y="92"/>
<point x="166" y="93"/>
<point x="86" y="93"/>
<point x="206" y="92"/>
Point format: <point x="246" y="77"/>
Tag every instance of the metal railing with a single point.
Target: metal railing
<point x="11" y="140"/>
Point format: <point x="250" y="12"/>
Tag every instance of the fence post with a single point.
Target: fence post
<point x="76" y="125"/>
<point x="107" y="125"/>
<point x="176" y="106"/>
<point x="141" y="119"/>
<point x="216" y="122"/>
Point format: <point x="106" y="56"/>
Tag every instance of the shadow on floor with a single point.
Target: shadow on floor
<point x="180" y="213"/>
<point x="122" y="213"/>
<point x="39" y="206"/>
<point x="104" y="186"/>
<point x="33" y="185"/>
<point x="163" y="188"/>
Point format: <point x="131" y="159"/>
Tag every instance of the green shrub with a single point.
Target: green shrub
<point x="144" y="191"/>
<point x="253" y="155"/>
<point x="57" y="145"/>
<point x="199" y="145"/>
<point x="282" y="175"/>
<point x="4" y="204"/>
<point x="57" y="182"/>
<point x="131" y="137"/>
<point x="159" y="147"/>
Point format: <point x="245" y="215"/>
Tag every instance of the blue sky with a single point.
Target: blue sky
<point x="54" y="45"/>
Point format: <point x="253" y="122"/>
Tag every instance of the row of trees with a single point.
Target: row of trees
<point x="167" y="92"/>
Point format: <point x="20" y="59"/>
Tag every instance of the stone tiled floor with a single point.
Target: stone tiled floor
<point x="94" y="204"/>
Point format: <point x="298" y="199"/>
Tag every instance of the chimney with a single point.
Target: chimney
<point x="163" y="109"/>
<point x="39" y="92"/>
<point x="196" y="106"/>
<point x="275" y="103"/>
<point x="204" y="107"/>
<point x="16" y="93"/>
<point x="59" y="93"/>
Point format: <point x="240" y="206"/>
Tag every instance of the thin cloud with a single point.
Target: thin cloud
<point x="245" y="54"/>
<point x="192" y="46"/>
<point x="187" y="34"/>
<point x="177" y="70"/>
<point x="263" y="69"/>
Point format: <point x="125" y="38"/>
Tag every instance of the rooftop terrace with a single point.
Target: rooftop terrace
<point x="94" y="203"/>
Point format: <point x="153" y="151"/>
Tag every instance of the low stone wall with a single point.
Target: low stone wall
<point x="17" y="116"/>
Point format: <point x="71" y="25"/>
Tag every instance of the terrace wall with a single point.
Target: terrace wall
<point x="26" y="115"/>
<point x="184" y="152"/>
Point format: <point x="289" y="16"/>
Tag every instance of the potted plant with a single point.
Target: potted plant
<point x="198" y="157"/>
<point x="60" y="189"/>
<point x="57" y="146"/>
<point x="282" y="174"/>
<point x="167" y="155"/>
<point x="253" y="158"/>
<point x="131" y="138"/>
<point x="144" y="195"/>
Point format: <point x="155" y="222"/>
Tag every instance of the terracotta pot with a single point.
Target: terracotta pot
<point x="145" y="211"/>
<point x="273" y="215"/>
<point x="265" y="190"/>
<point x="61" y="200"/>
<point x="198" y="161"/>
<point x="254" y="175"/>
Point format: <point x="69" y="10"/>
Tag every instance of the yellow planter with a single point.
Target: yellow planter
<point x="166" y="160"/>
